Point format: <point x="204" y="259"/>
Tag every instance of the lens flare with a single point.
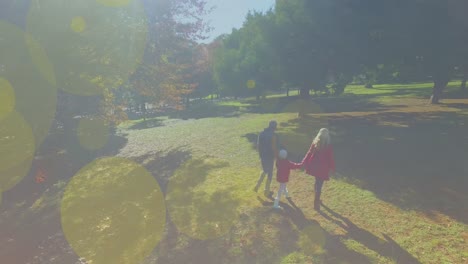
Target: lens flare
<point x="92" y="46"/>
<point x="113" y="211"/>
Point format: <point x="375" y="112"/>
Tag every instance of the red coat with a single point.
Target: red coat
<point x="283" y="168"/>
<point x="319" y="163"/>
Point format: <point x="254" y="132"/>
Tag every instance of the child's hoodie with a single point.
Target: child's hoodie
<point x="283" y="168"/>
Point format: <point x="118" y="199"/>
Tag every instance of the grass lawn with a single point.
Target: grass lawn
<point x="399" y="195"/>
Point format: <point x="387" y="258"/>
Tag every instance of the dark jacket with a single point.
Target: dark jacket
<point x="267" y="144"/>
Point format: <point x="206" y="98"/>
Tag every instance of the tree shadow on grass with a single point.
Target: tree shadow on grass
<point x="205" y="110"/>
<point x="252" y="138"/>
<point x="420" y="165"/>
<point x="163" y="165"/>
<point x="416" y="161"/>
<point x="177" y="247"/>
<point x="353" y="103"/>
<point x="58" y="159"/>
<point x="462" y="106"/>
<point x="312" y="239"/>
<point x="31" y="208"/>
<point x="386" y="248"/>
<point x="292" y="104"/>
<point x="316" y="240"/>
<point x="145" y="124"/>
<point x="316" y="105"/>
<point x="261" y="235"/>
<point x="264" y="237"/>
<point x="200" y="215"/>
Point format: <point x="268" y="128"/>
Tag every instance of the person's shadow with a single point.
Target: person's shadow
<point x="387" y="248"/>
<point x="335" y="250"/>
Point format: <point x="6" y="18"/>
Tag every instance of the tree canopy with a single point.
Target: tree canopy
<point x="321" y="45"/>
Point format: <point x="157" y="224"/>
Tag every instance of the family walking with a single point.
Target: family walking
<point x="318" y="162"/>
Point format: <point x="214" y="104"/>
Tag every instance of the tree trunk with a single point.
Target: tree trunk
<point x="187" y="101"/>
<point x="258" y="93"/>
<point x="463" y="83"/>
<point x="439" y="84"/>
<point x="304" y="92"/>
<point x="143" y="110"/>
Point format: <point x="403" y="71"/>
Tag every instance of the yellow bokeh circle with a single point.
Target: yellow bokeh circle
<point x="93" y="134"/>
<point x="31" y="78"/>
<point x="7" y="98"/>
<point x="92" y="46"/>
<point x="196" y="208"/>
<point x="78" y="24"/>
<point x="114" y="3"/>
<point x="40" y="59"/>
<point x="251" y="84"/>
<point x="16" y="150"/>
<point x="113" y="211"/>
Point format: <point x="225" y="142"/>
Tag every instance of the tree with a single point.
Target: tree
<point x="165" y="75"/>
<point x="225" y="67"/>
<point x="202" y="75"/>
<point x="161" y="77"/>
<point x="319" y="43"/>
<point x="420" y="35"/>
<point x="259" y="61"/>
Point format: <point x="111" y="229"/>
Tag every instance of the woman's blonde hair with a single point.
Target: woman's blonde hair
<point x="322" y="139"/>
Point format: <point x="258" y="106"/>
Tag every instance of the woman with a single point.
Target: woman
<point x="319" y="162"/>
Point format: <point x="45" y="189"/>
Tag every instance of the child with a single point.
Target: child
<point x="283" y="168"/>
<point x="319" y="162"/>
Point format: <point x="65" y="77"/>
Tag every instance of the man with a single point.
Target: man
<point x="267" y="146"/>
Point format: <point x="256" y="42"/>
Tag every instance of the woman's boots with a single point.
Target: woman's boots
<point x="317" y="201"/>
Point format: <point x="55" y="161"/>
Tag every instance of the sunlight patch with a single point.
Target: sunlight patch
<point x="93" y="134"/>
<point x="201" y="198"/>
<point x="108" y="48"/>
<point x="113" y="211"/>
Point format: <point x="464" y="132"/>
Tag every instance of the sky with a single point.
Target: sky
<point x="229" y="14"/>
